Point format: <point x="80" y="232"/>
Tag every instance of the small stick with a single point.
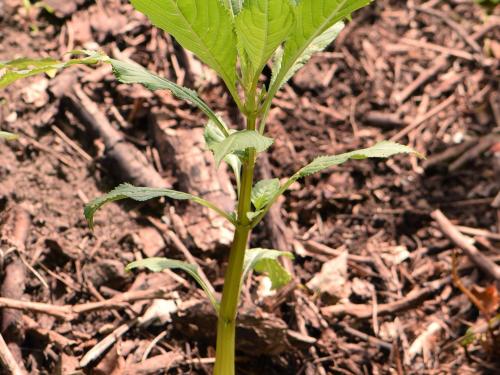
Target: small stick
<point x="433" y="112"/>
<point x="485" y="264"/>
<point x="441" y="64"/>
<point x="8" y="360"/>
<point x="453" y="25"/>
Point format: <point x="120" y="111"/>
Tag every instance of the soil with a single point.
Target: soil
<point x="399" y="70"/>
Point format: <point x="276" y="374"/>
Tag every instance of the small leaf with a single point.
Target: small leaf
<point x="11" y="71"/>
<point x="240" y="141"/>
<point x="204" y="27"/>
<point x="261" y="27"/>
<point x="214" y="136"/>
<point x="141" y="194"/>
<point x="264" y="191"/>
<point x="383" y="149"/>
<point x="266" y="261"/>
<point x="160" y="264"/>
<point x="8" y="136"/>
<point x="252" y="215"/>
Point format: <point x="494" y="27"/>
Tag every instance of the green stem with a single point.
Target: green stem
<point x="226" y="327"/>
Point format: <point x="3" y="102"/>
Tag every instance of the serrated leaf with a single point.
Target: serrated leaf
<point x="214" y="136"/>
<point x="130" y="72"/>
<point x="141" y="194"/>
<point x="160" y="264"/>
<point x="266" y="261"/>
<point x="264" y="191"/>
<point x="261" y="27"/>
<point x="204" y="27"/>
<point x="240" y="141"/>
<point x="11" y="71"/>
<point x="8" y="136"/>
<point x="317" y="45"/>
<point x="314" y="18"/>
<point x="383" y="149"/>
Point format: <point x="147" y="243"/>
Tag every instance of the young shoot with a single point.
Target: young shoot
<point x="237" y="39"/>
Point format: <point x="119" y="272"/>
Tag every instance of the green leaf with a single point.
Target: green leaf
<point x="142" y="194"/>
<point x="130" y="72"/>
<point x="234" y="6"/>
<point x="266" y="261"/>
<point x="204" y="27"/>
<point x="8" y="136"/>
<point x="317" y="45"/>
<point x="240" y="141"/>
<point x="11" y="71"/>
<point x="160" y="264"/>
<point x="261" y="27"/>
<point x="264" y="191"/>
<point x="314" y="18"/>
<point x="383" y="149"/>
<point x="214" y="136"/>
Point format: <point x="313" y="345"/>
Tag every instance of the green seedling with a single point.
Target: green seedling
<point x="237" y="39"/>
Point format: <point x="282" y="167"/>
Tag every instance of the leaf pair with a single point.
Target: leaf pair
<point x="260" y="260"/>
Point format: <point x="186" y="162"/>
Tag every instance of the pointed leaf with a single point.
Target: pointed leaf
<point x="266" y="261"/>
<point x="160" y="264"/>
<point x="214" y="136"/>
<point x="313" y="19"/>
<point x="240" y="141"/>
<point x="202" y="26"/>
<point x="130" y="72"/>
<point x="8" y="136"/>
<point x="142" y="194"/>
<point x="264" y="191"/>
<point x="317" y="45"/>
<point x="11" y="71"/>
<point x="383" y="149"/>
<point x="261" y="27"/>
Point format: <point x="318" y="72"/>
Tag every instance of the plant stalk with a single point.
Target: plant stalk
<point x="226" y="325"/>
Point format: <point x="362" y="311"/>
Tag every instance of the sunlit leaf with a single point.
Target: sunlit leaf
<point x="141" y="194"/>
<point x="160" y="264"/>
<point x="264" y="191"/>
<point x="240" y="141"/>
<point x="266" y="261"/>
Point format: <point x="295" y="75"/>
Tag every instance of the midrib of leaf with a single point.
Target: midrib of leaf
<point x="200" y="42"/>
<point x="324" y="25"/>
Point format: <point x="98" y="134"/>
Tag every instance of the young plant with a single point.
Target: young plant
<point x="237" y="39"/>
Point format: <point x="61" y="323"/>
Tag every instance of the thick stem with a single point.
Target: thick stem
<point x="226" y="326"/>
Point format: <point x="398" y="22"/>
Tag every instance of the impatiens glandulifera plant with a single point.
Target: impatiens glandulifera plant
<point x="237" y="39"/>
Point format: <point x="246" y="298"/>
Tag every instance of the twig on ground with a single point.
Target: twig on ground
<point x="9" y="362"/>
<point x="479" y="259"/>
<point x="362" y="311"/>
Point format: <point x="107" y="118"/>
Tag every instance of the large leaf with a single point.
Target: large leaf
<point x="8" y="136"/>
<point x="240" y="141"/>
<point x="264" y="191"/>
<point x="266" y="261"/>
<point x="160" y="264"/>
<point x="313" y="19"/>
<point x="11" y="71"/>
<point x="142" y="194"/>
<point x="204" y="27"/>
<point x="261" y="27"/>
